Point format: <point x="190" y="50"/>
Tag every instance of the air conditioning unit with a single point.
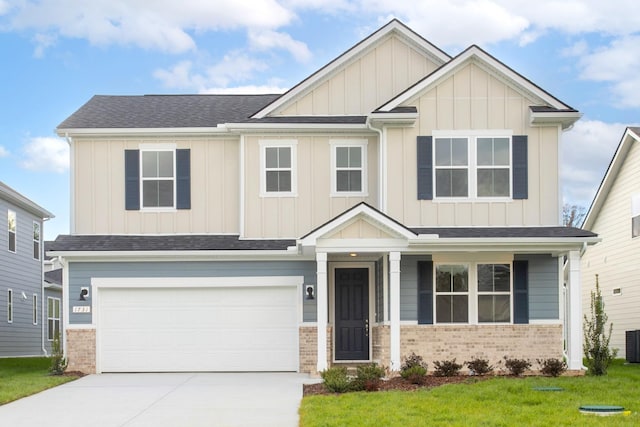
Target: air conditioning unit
<point x="632" y="344"/>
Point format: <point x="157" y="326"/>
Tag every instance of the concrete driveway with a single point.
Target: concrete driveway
<point x="172" y="399"/>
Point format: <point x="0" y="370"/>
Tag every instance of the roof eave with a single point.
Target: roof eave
<point x="565" y="118"/>
<point x="71" y="132"/>
<point x="164" y="255"/>
<point x="19" y="200"/>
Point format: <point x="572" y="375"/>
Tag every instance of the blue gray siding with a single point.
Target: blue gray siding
<point x="544" y="289"/>
<point x="53" y="293"/>
<point x="80" y="275"/>
<point x="409" y="285"/>
<point x="22" y="273"/>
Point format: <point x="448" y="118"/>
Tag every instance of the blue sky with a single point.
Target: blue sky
<point x="58" y="53"/>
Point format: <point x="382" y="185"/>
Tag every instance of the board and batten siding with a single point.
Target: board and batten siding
<point x="365" y="83"/>
<point x="19" y="272"/>
<point x="295" y="216"/>
<point x="99" y="188"/>
<point x="80" y="275"/>
<point x="473" y="99"/>
<point x="544" y="290"/>
<point x="616" y="259"/>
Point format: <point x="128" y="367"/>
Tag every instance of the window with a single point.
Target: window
<point x="278" y="176"/>
<point x="635" y="215"/>
<point x="158" y="178"/>
<point x="9" y="306"/>
<point x="11" y="223"/>
<point x="35" y="309"/>
<point x="53" y="317"/>
<point x="36" y="240"/>
<point x="494" y="293"/>
<point x="472" y="166"/>
<point x="349" y="159"/>
<point x="452" y="294"/>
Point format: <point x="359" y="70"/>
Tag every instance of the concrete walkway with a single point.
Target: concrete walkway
<point x="173" y="399"/>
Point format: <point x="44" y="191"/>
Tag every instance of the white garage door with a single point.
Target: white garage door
<point x="198" y="329"/>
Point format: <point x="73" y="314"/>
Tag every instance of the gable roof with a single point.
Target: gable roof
<point x="393" y="27"/>
<point x="163" y="111"/>
<point x="474" y="53"/>
<point x="9" y="194"/>
<point x="630" y="136"/>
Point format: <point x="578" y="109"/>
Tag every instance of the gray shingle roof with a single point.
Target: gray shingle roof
<point x="164" y="111"/>
<point x="505" y="232"/>
<point x="9" y="194"/>
<point x="70" y="243"/>
<point x="54" y="276"/>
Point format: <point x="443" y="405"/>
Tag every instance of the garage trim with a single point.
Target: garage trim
<point x="98" y="283"/>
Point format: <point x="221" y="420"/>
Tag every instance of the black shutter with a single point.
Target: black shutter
<point x="183" y="179"/>
<point x="425" y="168"/>
<point x="521" y="291"/>
<point x="425" y="292"/>
<point x="132" y="180"/>
<point x="520" y="166"/>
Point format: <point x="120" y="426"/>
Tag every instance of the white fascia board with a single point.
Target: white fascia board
<point x="540" y="245"/>
<point x="617" y="161"/>
<point x="393" y="119"/>
<point x="297" y="127"/>
<point x="565" y="118"/>
<point x="141" y="131"/>
<point x="164" y="256"/>
<point x="350" y="55"/>
<point x="360" y="245"/>
<point x="474" y="53"/>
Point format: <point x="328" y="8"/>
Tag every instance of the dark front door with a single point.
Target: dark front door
<point x="352" y="313"/>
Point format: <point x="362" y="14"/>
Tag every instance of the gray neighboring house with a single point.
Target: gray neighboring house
<point x="53" y="297"/>
<point x="25" y="319"/>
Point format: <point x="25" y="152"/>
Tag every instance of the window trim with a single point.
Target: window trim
<point x="278" y="143"/>
<point x="495" y="293"/>
<point x="436" y="293"/>
<point x="38" y="242"/>
<point x="473" y="293"/>
<point x="472" y="167"/>
<point x="146" y="148"/>
<point x="363" y="144"/>
<point x="9" y="305"/>
<point x="54" y="319"/>
<point x="14" y="232"/>
<point x="34" y="300"/>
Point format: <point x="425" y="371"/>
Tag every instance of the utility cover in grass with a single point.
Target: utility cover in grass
<point x="601" y="409"/>
<point x="548" y="388"/>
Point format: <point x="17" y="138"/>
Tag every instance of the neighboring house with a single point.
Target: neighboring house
<point x="398" y="200"/>
<point x="23" y="320"/>
<point x="53" y="295"/>
<point x="615" y="216"/>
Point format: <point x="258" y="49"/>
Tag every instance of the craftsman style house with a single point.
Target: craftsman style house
<point x="398" y="200"/>
<point x="615" y="216"/>
<point x="27" y="324"/>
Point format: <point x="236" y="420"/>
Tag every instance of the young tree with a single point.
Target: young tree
<point x="572" y="215"/>
<point x="596" y="337"/>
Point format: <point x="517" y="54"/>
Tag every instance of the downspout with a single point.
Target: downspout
<point x="382" y="162"/>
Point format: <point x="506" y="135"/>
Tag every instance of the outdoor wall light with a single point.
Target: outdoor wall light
<point x="84" y="293"/>
<point x="309" y="292"/>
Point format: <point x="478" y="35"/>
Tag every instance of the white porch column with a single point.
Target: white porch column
<point x="394" y="309"/>
<point x="321" y="307"/>
<point x="573" y="319"/>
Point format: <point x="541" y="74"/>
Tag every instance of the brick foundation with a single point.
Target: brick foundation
<point x="81" y="350"/>
<point x="491" y="342"/>
<point x="381" y="345"/>
<point x="308" y="348"/>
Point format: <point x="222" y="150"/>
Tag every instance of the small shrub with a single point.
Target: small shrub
<point x="414" y="369"/>
<point x="516" y="367"/>
<point x="446" y="368"/>
<point x="58" y="361"/>
<point x="368" y="377"/>
<point x="598" y="355"/>
<point x="552" y="367"/>
<point x="479" y="366"/>
<point x="336" y="379"/>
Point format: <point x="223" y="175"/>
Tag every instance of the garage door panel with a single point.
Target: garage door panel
<point x="199" y="329"/>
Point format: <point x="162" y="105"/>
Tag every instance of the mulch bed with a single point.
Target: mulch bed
<point x="400" y="384"/>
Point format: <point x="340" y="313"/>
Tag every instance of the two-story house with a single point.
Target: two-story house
<point x="398" y="200"/>
<point x="26" y="323"/>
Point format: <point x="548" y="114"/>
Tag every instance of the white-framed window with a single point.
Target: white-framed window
<point x="36" y="240"/>
<point x="472" y="165"/>
<point x="34" y="311"/>
<point x="278" y="162"/>
<point x="349" y="167"/>
<point x="10" y="305"/>
<point x="157" y="178"/>
<point x="473" y="292"/>
<point x="635" y="215"/>
<point x="53" y="317"/>
<point x="12" y="226"/>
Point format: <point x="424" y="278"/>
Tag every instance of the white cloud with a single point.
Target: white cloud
<point x="3" y="152"/>
<point x="269" y="39"/>
<point x="44" y="154"/>
<point x="587" y="150"/>
<point x="245" y="90"/>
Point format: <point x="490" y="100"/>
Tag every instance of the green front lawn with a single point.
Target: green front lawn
<point x="495" y="402"/>
<point x="24" y="376"/>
